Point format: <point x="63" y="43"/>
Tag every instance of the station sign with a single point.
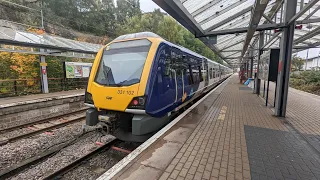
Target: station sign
<point x="77" y="69"/>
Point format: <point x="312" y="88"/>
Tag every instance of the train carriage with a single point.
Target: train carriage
<point x="139" y="80"/>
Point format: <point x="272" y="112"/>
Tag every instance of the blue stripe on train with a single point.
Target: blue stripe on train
<point x="161" y="88"/>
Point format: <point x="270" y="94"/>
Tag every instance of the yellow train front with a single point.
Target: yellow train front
<point x="139" y="80"/>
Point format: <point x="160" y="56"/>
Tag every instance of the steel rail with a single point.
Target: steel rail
<point x="15" y="138"/>
<point x="40" y="121"/>
<point x="60" y="172"/>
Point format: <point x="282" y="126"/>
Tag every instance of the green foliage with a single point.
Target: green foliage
<point x="169" y="29"/>
<point x="308" y="81"/>
<point x="297" y="63"/>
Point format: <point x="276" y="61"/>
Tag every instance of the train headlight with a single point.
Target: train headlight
<point x="88" y="98"/>
<point x="137" y="103"/>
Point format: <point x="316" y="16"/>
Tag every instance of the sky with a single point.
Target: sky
<point x="148" y="5"/>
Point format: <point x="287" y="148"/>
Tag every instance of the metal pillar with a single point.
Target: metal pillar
<point x="261" y="43"/>
<point x="251" y="62"/>
<point x="43" y="74"/>
<point x="285" y="59"/>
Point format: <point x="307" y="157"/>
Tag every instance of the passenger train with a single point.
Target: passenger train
<point x="138" y="81"/>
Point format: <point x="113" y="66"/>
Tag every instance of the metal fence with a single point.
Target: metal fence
<point x="19" y="87"/>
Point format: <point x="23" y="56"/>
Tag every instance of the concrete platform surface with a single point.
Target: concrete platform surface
<point x="230" y="135"/>
<point x="21" y="100"/>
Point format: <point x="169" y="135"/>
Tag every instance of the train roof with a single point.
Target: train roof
<point x="137" y="35"/>
<point x="154" y="35"/>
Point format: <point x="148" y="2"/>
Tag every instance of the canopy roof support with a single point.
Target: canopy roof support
<point x="213" y="19"/>
<point x="302" y="11"/>
<point x="256" y="15"/>
<point x="262" y="27"/>
<point x="285" y="59"/>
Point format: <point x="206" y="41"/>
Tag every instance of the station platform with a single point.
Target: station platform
<point x="231" y="134"/>
<point x="21" y="100"/>
<point x="25" y="109"/>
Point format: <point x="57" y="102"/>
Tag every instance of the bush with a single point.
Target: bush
<point x="308" y="81"/>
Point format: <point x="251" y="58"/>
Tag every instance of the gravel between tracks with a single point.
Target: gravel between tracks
<point x="13" y="153"/>
<point x="100" y="163"/>
<point x="95" y="166"/>
<point x="82" y="146"/>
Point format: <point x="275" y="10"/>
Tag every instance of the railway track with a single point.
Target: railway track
<point x="35" y="131"/>
<point x="60" y="172"/>
<point x="15" y="169"/>
<point x="40" y="121"/>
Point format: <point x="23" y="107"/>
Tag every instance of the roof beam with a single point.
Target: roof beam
<point x="228" y="19"/>
<point x="303" y="10"/>
<point x="176" y="9"/>
<point x="179" y="12"/>
<point x="307" y="36"/>
<point x="272" y="14"/>
<point x="271" y="39"/>
<point x="312" y="13"/>
<point x="244" y="30"/>
<point x="268" y="19"/>
<point x="256" y="15"/>
<point x="307" y="21"/>
<point x="301" y="48"/>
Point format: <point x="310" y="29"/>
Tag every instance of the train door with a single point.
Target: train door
<point x="177" y="58"/>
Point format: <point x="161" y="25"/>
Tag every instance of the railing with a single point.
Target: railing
<point x="19" y="87"/>
<point x="65" y="84"/>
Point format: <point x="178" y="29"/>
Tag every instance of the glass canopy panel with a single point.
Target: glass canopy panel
<point x="217" y="10"/>
<point x="241" y="21"/>
<point x="223" y="38"/>
<point x="235" y="55"/>
<point x="228" y="44"/>
<point x="230" y="41"/>
<point x="45" y="39"/>
<point x="214" y="19"/>
<point x="194" y="5"/>
<point x="226" y="54"/>
<point x="214" y="10"/>
<point x="235" y="47"/>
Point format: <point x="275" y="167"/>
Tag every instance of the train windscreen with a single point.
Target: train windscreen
<point x="122" y="63"/>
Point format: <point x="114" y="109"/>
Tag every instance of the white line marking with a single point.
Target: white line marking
<point x="125" y="161"/>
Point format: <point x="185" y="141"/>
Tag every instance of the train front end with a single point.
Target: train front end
<point x="116" y="87"/>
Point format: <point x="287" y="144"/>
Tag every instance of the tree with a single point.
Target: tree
<point x="127" y="9"/>
<point x="297" y="63"/>
<point x="167" y="28"/>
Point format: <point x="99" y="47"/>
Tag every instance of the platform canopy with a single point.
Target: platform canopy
<point x="230" y="27"/>
<point x="12" y="40"/>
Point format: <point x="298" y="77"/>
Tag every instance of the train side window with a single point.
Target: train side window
<point x="168" y="65"/>
<point x="200" y="74"/>
<point x="190" y="77"/>
<point x="195" y="74"/>
<point x="210" y="73"/>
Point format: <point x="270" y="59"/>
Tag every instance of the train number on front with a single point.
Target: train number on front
<point x="125" y="92"/>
